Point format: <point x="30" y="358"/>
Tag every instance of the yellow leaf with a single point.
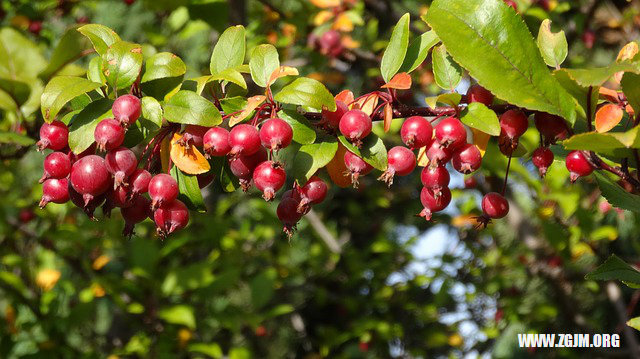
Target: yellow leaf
<point x="628" y="51"/>
<point x="343" y="23"/>
<point x="252" y="104"/>
<point x="189" y="160"/>
<point x="322" y="17"/>
<point x="401" y="81"/>
<point x="281" y="71"/>
<point x="423" y="161"/>
<point x="97" y="290"/>
<point x="388" y="117"/>
<point x="608" y="117"/>
<point x="323" y="4"/>
<point x="367" y="104"/>
<point x="100" y="262"/>
<point x="464" y="220"/>
<point x="184" y="336"/>
<point x="338" y="170"/>
<point x="481" y="140"/>
<point x="46" y="279"/>
<point x="455" y="340"/>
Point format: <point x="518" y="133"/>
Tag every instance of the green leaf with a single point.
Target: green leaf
<point x="179" y="315"/>
<point x="418" y="51"/>
<point x="617" y="196"/>
<point x="17" y="90"/>
<point x="615" y="268"/>
<point x="20" y="58"/>
<point x="122" y="64"/>
<point x="493" y="43"/>
<point x="303" y="131"/>
<point x="94" y="71"/>
<point x="553" y="47"/>
<point x="312" y="157"/>
<point x="163" y="65"/>
<point x="634" y="323"/>
<point x="61" y="90"/>
<point x="264" y="61"/>
<point x="100" y="36"/>
<point x="230" y="75"/>
<point x="188" y="108"/>
<point x="578" y="92"/>
<point x="262" y="288"/>
<point x="71" y="47"/>
<point x="480" y="117"/>
<point x="631" y="87"/>
<point x="613" y="143"/>
<point x="229" y="50"/>
<point x="233" y="104"/>
<point x="396" y="50"/>
<point x="151" y="110"/>
<point x="451" y="99"/>
<point x="12" y="138"/>
<point x="599" y="75"/>
<point x="211" y="349"/>
<point x="304" y="91"/>
<point x="84" y="124"/>
<point x="189" y="189"/>
<point x="373" y="151"/>
<point x="446" y="72"/>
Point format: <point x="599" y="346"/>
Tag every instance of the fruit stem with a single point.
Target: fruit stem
<point x="506" y="175"/>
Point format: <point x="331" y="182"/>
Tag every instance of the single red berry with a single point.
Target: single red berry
<point x="355" y="125"/>
<point x="356" y="166"/>
<point x="54" y="190"/>
<point x="90" y="177"/>
<point x="126" y="109"/>
<point x="467" y="159"/>
<point x="54" y="136"/>
<point x="275" y="134"/>
<point x="287" y="212"/>
<point x="477" y="93"/>
<point x="292" y="193"/>
<point x="331" y="44"/>
<point x="134" y="214"/>
<point x="193" y="136"/>
<point x="269" y="177"/>
<point x="512" y="4"/>
<point x="332" y="119"/>
<point x="363" y="346"/>
<point x="121" y="163"/>
<point x="243" y="166"/>
<point x="82" y="20"/>
<point x="588" y="38"/>
<point x="216" y="142"/>
<point x="578" y="165"/>
<point x="450" y="133"/>
<point x="170" y="217"/>
<point x="26" y="215"/>
<point x="139" y="181"/>
<point x="56" y="165"/>
<point x="244" y="140"/>
<point x="494" y="205"/>
<point x="35" y="26"/>
<point x="470" y="182"/>
<point x="552" y="128"/>
<point x="401" y="162"/>
<point x="313" y="192"/>
<point x="435" y="178"/>
<point x="433" y="203"/>
<point x="542" y="158"/>
<point x="261" y="331"/>
<point x="108" y="134"/>
<point x="163" y="189"/>
<point x="438" y="155"/>
<point x="416" y="132"/>
<point x="90" y="207"/>
<point x="513" y="123"/>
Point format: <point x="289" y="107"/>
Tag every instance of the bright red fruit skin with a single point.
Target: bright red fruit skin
<point x="433" y="203"/>
<point x="269" y="177"/>
<point x="136" y="213"/>
<point x="470" y="183"/>
<point x="467" y="159"/>
<point x="542" y="158"/>
<point x="355" y="125"/>
<point x="578" y="165"/>
<point x="90" y="177"/>
<point x="139" y="181"/>
<point x="333" y="118"/>
<point x="275" y="134"/>
<point x="54" y="190"/>
<point x="56" y="165"/>
<point x="109" y="134"/>
<point x="162" y="189"/>
<point x="315" y="190"/>
<point x="514" y="123"/>
<point x="435" y="178"/>
<point x="438" y="155"/>
<point x="216" y="142"/>
<point x="244" y="140"/>
<point x="551" y="127"/>
<point x="126" y="109"/>
<point x="494" y="205"/>
<point x="90" y="207"/>
<point x="416" y="132"/>
<point x="477" y="93"/>
<point x="357" y="167"/>
<point x="330" y="43"/>
<point x="401" y="162"/>
<point x="54" y="136"/>
<point x="170" y="217"/>
<point x="121" y="163"/>
<point x="288" y="214"/>
<point x="450" y="133"/>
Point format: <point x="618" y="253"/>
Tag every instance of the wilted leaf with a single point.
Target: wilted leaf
<point x="607" y="117"/>
<point x="323" y="4"/>
<point x="46" y="279"/>
<point x="388" y="117"/>
<point x="367" y="104"/>
<point x="553" y="47"/>
<point x="481" y="140"/>
<point x="345" y="96"/>
<point x="338" y="170"/>
<point x="401" y="81"/>
<point x="252" y="104"/>
<point x="188" y="160"/>
<point x="282" y="71"/>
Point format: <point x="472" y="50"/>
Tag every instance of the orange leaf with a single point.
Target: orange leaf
<point x="345" y="96"/>
<point x="388" y="117"/>
<point x="190" y="160"/>
<point x="343" y="23"/>
<point x="481" y="140"/>
<point x="423" y="161"/>
<point x="607" y="117"/>
<point x="322" y="17"/>
<point x="401" y="81"/>
<point x="338" y="170"/>
<point x="349" y="43"/>
<point x="282" y="71"/>
<point x="630" y="110"/>
<point x="252" y="104"/>
<point x="367" y="104"/>
<point x="609" y="95"/>
<point x="464" y="220"/>
<point x="323" y="4"/>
